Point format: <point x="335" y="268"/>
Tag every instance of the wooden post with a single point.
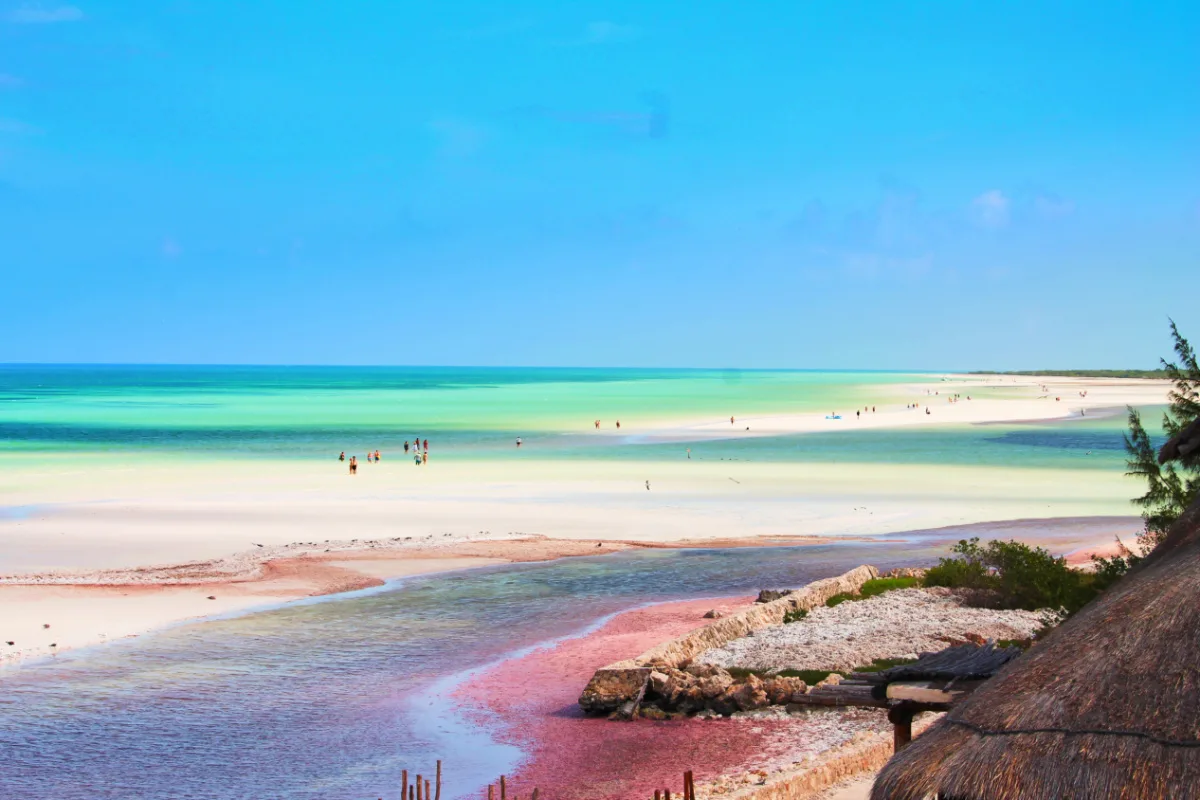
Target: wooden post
<point x="419" y="788"/>
<point x="901" y="717"/>
<point x="438" y="795"/>
<point x="535" y="795"/>
<point x="428" y="795"/>
<point x="491" y="792"/>
<point x="657" y="794"/>
<point x="503" y="789"/>
<point x="403" y="784"/>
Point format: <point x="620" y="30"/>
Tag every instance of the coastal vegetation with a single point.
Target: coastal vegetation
<point x="1082" y="373"/>
<point x="872" y="588"/>
<point x="1170" y="487"/>
<point x="1014" y="575"/>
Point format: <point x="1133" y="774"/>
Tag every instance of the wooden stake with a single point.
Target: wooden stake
<point x="403" y="784"/>
<point x="503" y="789"/>
<point x="491" y="792"/>
<point x="419" y="788"/>
<point x="428" y="796"/>
<point x="657" y="794"/>
<point x="535" y="795"/>
<point x="438" y="796"/>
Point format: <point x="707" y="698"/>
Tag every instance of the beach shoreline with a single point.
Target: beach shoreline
<point x="71" y="610"/>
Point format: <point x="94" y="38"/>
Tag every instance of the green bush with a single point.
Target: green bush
<point x="873" y="588"/>
<point x="878" y="586"/>
<point x="795" y="615"/>
<point x="1018" y="575"/>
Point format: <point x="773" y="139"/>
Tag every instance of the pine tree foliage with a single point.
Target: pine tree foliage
<point x="1170" y="488"/>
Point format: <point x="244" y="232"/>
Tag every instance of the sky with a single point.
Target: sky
<point x="804" y="184"/>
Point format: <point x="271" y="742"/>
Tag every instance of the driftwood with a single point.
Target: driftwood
<point x="842" y="694"/>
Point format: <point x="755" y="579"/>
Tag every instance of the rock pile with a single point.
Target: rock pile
<point x="703" y="689"/>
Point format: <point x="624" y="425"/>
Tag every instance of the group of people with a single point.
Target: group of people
<point x="597" y="424"/>
<point x="354" y="459"/>
<point x="419" y="450"/>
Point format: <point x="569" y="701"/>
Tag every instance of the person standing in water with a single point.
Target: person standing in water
<point x="518" y="441"/>
<point x="353" y="465"/>
<point x="689" y="451"/>
<point x="406" y="446"/>
<point x="618" y="424"/>
<point x="342" y="456"/>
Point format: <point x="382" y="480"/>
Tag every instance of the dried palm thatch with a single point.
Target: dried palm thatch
<point x="1183" y="446"/>
<point x="1108" y="706"/>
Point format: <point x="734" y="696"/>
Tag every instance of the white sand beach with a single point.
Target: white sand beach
<point x="77" y="515"/>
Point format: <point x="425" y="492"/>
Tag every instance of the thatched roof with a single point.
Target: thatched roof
<point x="1108" y="706"/>
<point x="1184" y="445"/>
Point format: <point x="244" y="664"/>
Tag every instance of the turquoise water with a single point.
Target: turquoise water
<point x="475" y="413"/>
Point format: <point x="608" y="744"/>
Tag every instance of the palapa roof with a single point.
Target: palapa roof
<point x="1107" y="706"/>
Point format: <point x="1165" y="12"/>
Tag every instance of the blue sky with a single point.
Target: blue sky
<point x="799" y="184"/>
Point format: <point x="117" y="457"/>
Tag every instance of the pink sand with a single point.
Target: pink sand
<point x="573" y="756"/>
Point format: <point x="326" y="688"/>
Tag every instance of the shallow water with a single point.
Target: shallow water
<point x="474" y="414"/>
<point x="332" y="699"/>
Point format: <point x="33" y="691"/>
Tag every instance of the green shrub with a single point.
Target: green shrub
<point x="873" y="588"/>
<point x="877" y="586"/>
<point x="795" y="615"/>
<point x="1020" y="576"/>
<point x="838" y="599"/>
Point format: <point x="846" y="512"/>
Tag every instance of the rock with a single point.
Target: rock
<point x="769" y="595"/>
<point x="904" y="572"/>
<point x="659" y="681"/>
<point x="706" y="713"/>
<point x="975" y="638"/>
<point x="750" y="695"/>
<point x="780" y="691"/>
<point x="832" y="679"/>
<point x="652" y="712"/>
<point x="725" y="704"/>
<point x="610" y="689"/>
<point x="713" y="614"/>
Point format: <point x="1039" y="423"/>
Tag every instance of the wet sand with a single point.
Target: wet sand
<point x="533" y="700"/>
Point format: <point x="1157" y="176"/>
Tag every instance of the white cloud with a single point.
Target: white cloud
<point x="171" y="248"/>
<point x="42" y="15"/>
<point x="991" y="209"/>
<point x="10" y="81"/>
